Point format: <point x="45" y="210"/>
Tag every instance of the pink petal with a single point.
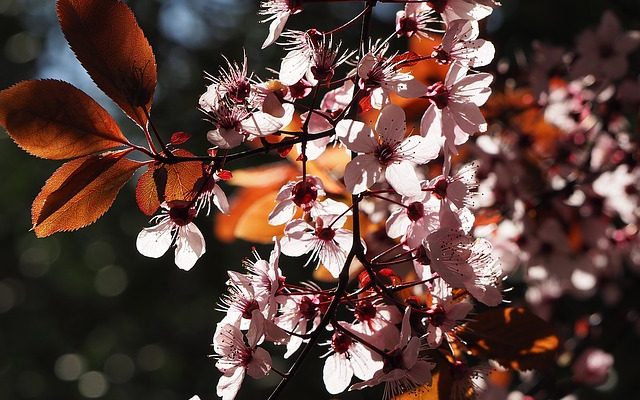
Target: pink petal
<point x="336" y="373"/>
<point x="294" y="66"/>
<point x="356" y="136"/>
<point x="361" y="173"/>
<point x="260" y="364"/>
<point x="190" y="246"/>
<point x="282" y="213"/>
<point x="403" y="179"/>
<point x="275" y="28"/>
<point x="421" y="150"/>
<point x="391" y="124"/>
<point x="155" y="241"/>
<point x="229" y="385"/>
<point x="474" y="87"/>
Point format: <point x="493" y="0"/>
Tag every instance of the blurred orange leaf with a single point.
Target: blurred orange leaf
<point x="514" y="337"/>
<point x="55" y="120"/>
<point x="107" y="40"/>
<point x="80" y="192"/>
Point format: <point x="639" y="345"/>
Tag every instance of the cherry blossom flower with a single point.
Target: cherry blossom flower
<point x="235" y="358"/>
<point x="403" y="369"/>
<point x="604" y="52"/>
<point x="312" y="55"/>
<point x="460" y="44"/>
<point x="444" y="313"/>
<point x="347" y="358"/>
<point x="303" y="194"/>
<point x="415" y="20"/>
<point x="457" y="189"/>
<point x="621" y="192"/>
<point x="415" y="221"/>
<point x="465" y="263"/>
<point x="173" y="225"/>
<point x="234" y="125"/>
<point x="212" y="193"/>
<point x="380" y="76"/>
<point x="592" y="366"/>
<point x="266" y="277"/>
<point x="474" y="10"/>
<point x="387" y="152"/>
<point x="377" y="322"/>
<point x="278" y="12"/>
<point x="454" y="110"/>
<point x="328" y="242"/>
<point x="297" y="312"/>
<point x="232" y="84"/>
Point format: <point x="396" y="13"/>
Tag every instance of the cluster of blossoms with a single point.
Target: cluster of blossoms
<point x="398" y="322"/>
<point x="560" y="185"/>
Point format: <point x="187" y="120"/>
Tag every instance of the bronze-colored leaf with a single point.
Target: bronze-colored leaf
<point x="183" y="179"/>
<point x="80" y="192"/>
<point x="514" y="337"/>
<point x="107" y="40"/>
<point x="253" y="225"/>
<point x="55" y="120"/>
<point x="149" y="195"/>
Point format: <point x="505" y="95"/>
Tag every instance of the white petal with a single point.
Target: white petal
<point x="220" y="199"/>
<point x="156" y="240"/>
<point x="421" y="150"/>
<point x="397" y="223"/>
<point x="356" y="136"/>
<point x="294" y="66"/>
<point x="361" y="173"/>
<point x="225" y="138"/>
<point x="474" y="87"/>
<point x="275" y="28"/>
<point x="391" y="124"/>
<point x="262" y="124"/>
<point x="403" y="179"/>
<point x="282" y="213"/>
<point x="364" y="362"/>
<point x="190" y="246"/>
<point x="469" y="119"/>
<point x="336" y="373"/>
<point x="365" y="65"/>
<point x="229" y="385"/>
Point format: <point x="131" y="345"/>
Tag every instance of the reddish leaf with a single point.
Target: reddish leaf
<point x="80" y="192"/>
<point x="179" y="138"/>
<point x="148" y="195"/>
<point x="183" y="179"/>
<point x="514" y="337"/>
<point x="55" y="120"/>
<point x="111" y="46"/>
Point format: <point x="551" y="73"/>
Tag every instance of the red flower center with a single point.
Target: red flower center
<point x="415" y="211"/>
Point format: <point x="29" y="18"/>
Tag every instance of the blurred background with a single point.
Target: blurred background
<point x="82" y="314"/>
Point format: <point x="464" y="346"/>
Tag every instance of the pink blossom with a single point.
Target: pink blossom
<point x="235" y="358"/>
<point x="473" y="10"/>
<point x="278" y="12"/>
<point x="377" y="322"/>
<point x="603" y="52"/>
<point x="387" y="152"/>
<point x="403" y="369"/>
<point x="460" y="44"/>
<point x="327" y="241"/>
<point x="415" y="20"/>
<point x="173" y="225"/>
<point x="592" y="366"/>
<point x="348" y="358"/>
<point x="416" y="220"/>
<point x="620" y="190"/>
<point x="381" y="75"/>
<point x="454" y="113"/>
<point x="302" y="193"/>
<point x="466" y="263"/>
<point x="295" y="315"/>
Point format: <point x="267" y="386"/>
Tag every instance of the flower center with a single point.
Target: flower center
<point x="407" y="26"/>
<point x="437" y="316"/>
<point x="385" y="153"/>
<point x="304" y="193"/>
<point x="308" y="307"/>
<point x="365" y="311"/>
<point x="438" y="95"/>
<point x="239" y="91"/>
<point x="440" y="188"/>
<point x="325" y="234"/>
<point x="340" y="342"/>
<point x="248" y="309"/>
<point x="182" y="214"/>
<point x="415" y="211"/>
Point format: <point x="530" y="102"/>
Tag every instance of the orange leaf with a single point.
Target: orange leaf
<point x="80" y="192"/>
<point x="182" y="178"/>
<point x="107" y="40"/>
<point x="148" y="195"/>
<point x="514" y="337"/>
<point x="55" y="120"/>
<point x="253" y="224"/>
